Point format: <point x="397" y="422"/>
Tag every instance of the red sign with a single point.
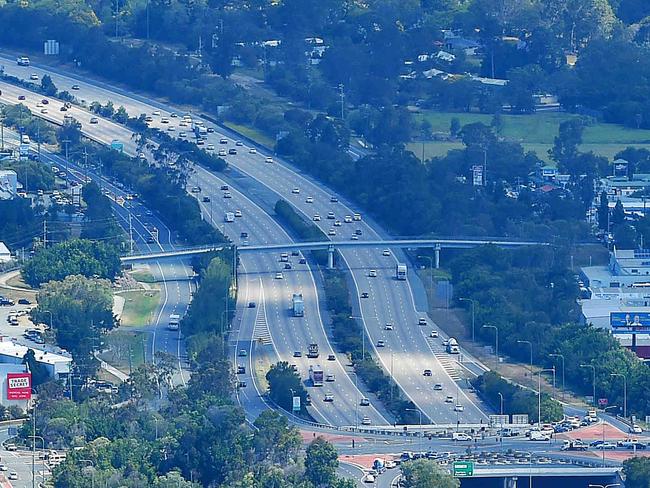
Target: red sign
<point x="19" y="386"/>
<point x="603" y="402"/>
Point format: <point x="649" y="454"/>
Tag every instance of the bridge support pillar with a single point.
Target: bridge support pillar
<point x="436" y="251"/>
<point x="330" y="257"/>
<point x="510" y="482"/>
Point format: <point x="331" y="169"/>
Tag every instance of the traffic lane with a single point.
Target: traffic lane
<point x="287" y="328"/>
<point x="350" y="471"/>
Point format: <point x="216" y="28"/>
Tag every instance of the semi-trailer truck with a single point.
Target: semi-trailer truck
<point x="298" y="305"/>
<point x="400" y="271"/>
<point x="316" y="375"/>
<point x="312" y="350"/>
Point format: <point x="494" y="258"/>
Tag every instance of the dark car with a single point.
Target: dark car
<point x="63" y="109"/>
<point x="287" y="265"/>
<point x="45" y="101"/>
<point x="206" y="199"/>
<point x="232" y="150"/>
<point x="251" y="304"/>
<point x="241" y="369"/>
<point x="302" y="261"/>
<point x="364" y="294"/>
<point x="21" y="97"/>
<point x="24" y="301"/>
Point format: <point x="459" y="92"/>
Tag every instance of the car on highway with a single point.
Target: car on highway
<point x="449" y="399"/>
<point x="316" y="218"/>
<point x="45" y="101"/>
<point x="331" y="357"/>
<point x="241" y="369"/>
<point x="232" y="151"/>
<point x="388" y="327"/>
<point x="309" y="200"/>
<point x="606" y="446"/>
<point x="381" y="343"/>
<point x="63" y="109"/>
<point x="427" y="372"/>
<point x="372" y="273"/>
<point x="210" y="130"/>
<point x="33" y="76"/>
<point x="330" y="215"/>
<point x="329" y="397"/>
<point x="223" y="140"/>
<point x="156" y="113"/>
<point x="337" y="223"/>
<point x="330" y="377"/>
<point x="171" y="128"/>
<point x="333" y="199"/>
<point x="437" y="387"/>
<point x="75" y="87"/>
<point x="243" y="353"/>
<point x="251" y="305"/>
<point x="239" y="143"/>
<point x="366" y="421"/>
<point x="21" y="97"/>
<point x="279" y="275"/>
<point x="182" y="135"/>
<point x="268" y="159"/>
<point x="196" y="189"/>
<point x="238" y="213"/>
<point x="241" y="384"/>
<point x="459" y="408"/>
<point x="634" y="429"/>
<point x="43" y="110"/>
<point x="358" y="232"/>
<point x="94" y="120"/>
<point x="331" y="232"/>
<point x="206" y="199"/>
<point x="222" y="152"/>
<point x="227" y="194"/>
<point x="13" y="476"/>
<point x="209" y="147"/>
<point x="422" y="321"/>
<point x="386" y="252"/>
<point x="364" y="294"/>
<point x="434" y="334"/>
<point x="295" y="191"/>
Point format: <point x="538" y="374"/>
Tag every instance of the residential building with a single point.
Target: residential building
<point x="8" y="184"/>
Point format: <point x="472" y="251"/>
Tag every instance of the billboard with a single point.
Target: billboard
<point x="19" y="386"/>
<point x="630" y="322"/>
<point x="296" y="404"/>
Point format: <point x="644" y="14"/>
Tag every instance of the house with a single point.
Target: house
<point x="5" y="254"/>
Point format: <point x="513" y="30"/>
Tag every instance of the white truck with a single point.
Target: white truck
<point x="452" y="346"/>
<point x="229" y="217"/>
<point x="316" y="375"/>
<point x="400" y="271"/>
<point x="298" y="305"/>
<point x="174" y="321"/>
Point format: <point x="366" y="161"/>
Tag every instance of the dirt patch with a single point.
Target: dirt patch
<point x="595" y="432"/>
<point x="308" y="436"/>
<point x="366" y="460"/>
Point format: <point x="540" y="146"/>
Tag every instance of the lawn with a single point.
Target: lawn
<point x="251" y="133"/>
<point x="125" y="350"/>
<point x="143" y="276"/>
<point x="535" y="132"/>
<point x="139" y="307"/>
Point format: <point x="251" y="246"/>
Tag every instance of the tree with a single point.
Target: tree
<point x="321" y="462"/>
<point x="47" y="86"/>
<point x="82" y="309"/>
<point x="454" y="127"/>
<point x="618" y="214"/>
<point x="39" y="372"/>
<point x="275" y="440"/>
<point x="603" y="211"/>
<point x="423" y="473"/>
<point x="565" y="145"/>
<point x="70" y="131"/>
<point x="74" y="257"/>
<point x="637" y="472"/>
<point x="625" y="236"/>
<point x="284" y="383"/>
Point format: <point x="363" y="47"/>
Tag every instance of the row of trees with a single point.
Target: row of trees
<point x="531" y="295"/>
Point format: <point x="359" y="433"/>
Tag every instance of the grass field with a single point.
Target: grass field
<point x="139" y="307"/>
<point x="122" y="345"/>
<point x="143" y="276"/>
<point x="254" y="134"/>
<point x="535" y="132"/>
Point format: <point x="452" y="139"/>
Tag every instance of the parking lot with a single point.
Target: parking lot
<point x="21" y="325"/>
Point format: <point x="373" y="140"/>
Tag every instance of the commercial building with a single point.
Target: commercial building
<point x="56" y="364"/>
<point x="8" y="184"/>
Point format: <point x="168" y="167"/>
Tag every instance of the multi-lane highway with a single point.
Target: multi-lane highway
<point x="407" y="349"/>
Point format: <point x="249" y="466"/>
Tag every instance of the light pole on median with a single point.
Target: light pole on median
<point x="593" y="370"/>
<point x="356" y="406"/>
<point x="420" y="413"/>
<point x="530" y="344"/>
<point x="539" y="393"/>
<point x="496" y="340"/>
<point x="621" y="375"/>
<point x="561" y="356"/>
<point x="473" y="315"/>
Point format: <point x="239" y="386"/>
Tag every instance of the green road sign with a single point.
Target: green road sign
<point x="463" y="468"/>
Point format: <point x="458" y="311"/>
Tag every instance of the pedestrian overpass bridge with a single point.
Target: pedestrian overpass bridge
<point x="331" y="246"/>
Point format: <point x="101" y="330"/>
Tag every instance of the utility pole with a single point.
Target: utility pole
<point x="66" y="142"/>
<point x="44" y="234"/>
<point x="147" y="20"/>
<point x="342" y="93"/>
<point x="117" y="16"/>
<point x="2" y="131"/>
<point x="38" y="139"/>
<point x="130" y="235"/>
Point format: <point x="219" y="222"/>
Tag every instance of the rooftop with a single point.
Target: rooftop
<point x="12" y="349"/>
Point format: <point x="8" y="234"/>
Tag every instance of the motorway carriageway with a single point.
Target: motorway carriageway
<point x="408" y="350"/>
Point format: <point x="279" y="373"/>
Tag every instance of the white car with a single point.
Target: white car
<point x="347" y="219"/>
<point x="328" y="397"/>
<point x="365" y="421"/>
<point x="388" y="327"/>
<point x="434" y="334"/>
<point x="309" y="200"/>
<point x="449" y="399"/>
<point x="222" y="152"/>
<point x="3" y="467"/>
<point x="459" y="408"/>
<point x="171" y="128"/>
<point x="209" y="147"/>
<point x="295" y="191"/>
<point x="386" y="252"/>
<point x="182" y="135"/>
<point x="13" y="476"/>
<point x="330" y="377"/>
<point x="279" y="275"/>
<point x="437" y="387"/>
<point x="337" y="223"/>
<point x="252" y="150"/>
<point x="461" y="436"/>
<point x="33" y="76"/>
<point x="156" y="113"/>
<point x="237" y="213"/>
<point x="364" y="402"/>
<point x="372" y="273"/>
<point x="268" y="159"/>
<point x="422" y="321"/>
<point x="331" y="232"/>
<point x="316" y="218"/>
<point x="636" y="429"/>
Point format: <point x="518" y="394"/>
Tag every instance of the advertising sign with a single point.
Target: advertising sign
<point x="603" y="402"/>
<point x="520" y="419"/>
<point x="296" y="404"/>
<point x="630" y="322"/>
<point x="620" y="167"/>
<point x="19" y="386"/>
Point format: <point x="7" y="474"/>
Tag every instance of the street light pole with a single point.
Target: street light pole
<point x="501" y="398"/>
<point x="561" y="356"/>
<point x="539" y="394"/>
<point x="593" y="370"/>
<point x="530" y="344"/>
<point x="420" y="413"/>
<point x="473" y="315"/>
<point x="496" y="349"/>
<point x="624" y="392"/>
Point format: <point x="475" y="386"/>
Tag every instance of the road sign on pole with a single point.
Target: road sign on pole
<point x="296" y="404"/>
<point x="463" y="469"/>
